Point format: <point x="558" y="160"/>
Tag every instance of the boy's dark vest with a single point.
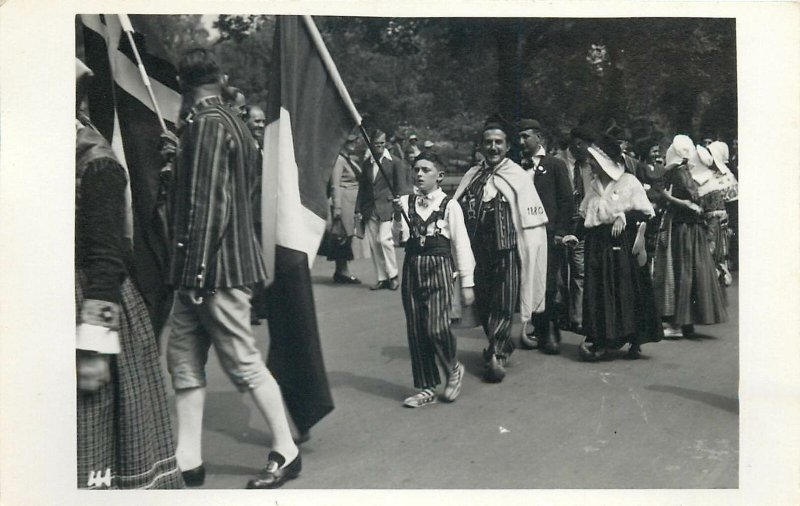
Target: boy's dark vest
<point x="421" y="244"/>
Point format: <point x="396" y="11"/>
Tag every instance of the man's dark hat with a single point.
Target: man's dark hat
<point x="529" y="124"/>
<point x="497" y="122"/>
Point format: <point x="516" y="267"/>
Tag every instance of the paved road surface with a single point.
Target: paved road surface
<point x="670" y="421"/>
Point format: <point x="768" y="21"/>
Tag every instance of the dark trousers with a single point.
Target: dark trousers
<point x="552" y="310"/>
<point x="496" y="292"/>
<point x="427" y="293"/>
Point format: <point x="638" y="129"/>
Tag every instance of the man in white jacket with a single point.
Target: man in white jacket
<point x="506" y="225"/>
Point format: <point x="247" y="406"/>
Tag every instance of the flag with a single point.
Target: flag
<point x="307" y="123"/>
<point x="121" y="109"/>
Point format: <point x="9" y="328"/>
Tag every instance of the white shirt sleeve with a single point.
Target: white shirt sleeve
<point x="460" y="245"/>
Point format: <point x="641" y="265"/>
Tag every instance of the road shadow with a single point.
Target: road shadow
<point x="226" y="413"/>
<point x="373" y="386"/>
<point x="728" y="404"/>
<point x="395" y="352"/>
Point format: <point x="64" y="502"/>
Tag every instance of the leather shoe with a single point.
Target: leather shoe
<point x="345" y="280"/>
<point x="528" y="342"/>
<point x="549" y="342"/>
<point x="273" y="475"/>
<point x="194" y="477"/>
<point x="380" y="285"/>
<point x="393" y="284"/>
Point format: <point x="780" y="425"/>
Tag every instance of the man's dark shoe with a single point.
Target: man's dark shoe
<point x="194" y="477"/>
<point x="273" y="476"/>
<point x="380" y="285"/>
<point x="393" y="284"/>
<point x="528" y="341"/>
<point x="549" y="343"/>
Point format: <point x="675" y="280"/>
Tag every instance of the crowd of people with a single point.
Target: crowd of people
<point x="584" y="237"/>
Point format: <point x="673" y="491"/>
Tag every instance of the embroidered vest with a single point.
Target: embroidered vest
<point x="419" y="242"/>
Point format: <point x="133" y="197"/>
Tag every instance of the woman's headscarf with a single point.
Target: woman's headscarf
<point x="719" y="151"/>
<point x="681" y="147"/>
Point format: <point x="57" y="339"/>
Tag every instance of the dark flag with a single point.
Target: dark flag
<point x="308" y="118"/>
<point x="122" y="111"/>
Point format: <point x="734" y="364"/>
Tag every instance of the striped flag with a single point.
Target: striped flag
<point x="122" y="111"/>
<point x="308" y="118"/>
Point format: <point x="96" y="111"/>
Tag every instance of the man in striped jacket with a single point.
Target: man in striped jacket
<point x="215" y="266"/>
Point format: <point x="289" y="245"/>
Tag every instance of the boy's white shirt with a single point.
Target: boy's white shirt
<point x="454" y="229"/>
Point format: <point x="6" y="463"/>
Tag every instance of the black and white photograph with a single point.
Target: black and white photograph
<point x="486" y="254"/>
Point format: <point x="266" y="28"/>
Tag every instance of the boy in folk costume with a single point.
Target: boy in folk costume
<point x="437" y="240"/>
<point x="505" y="221"/>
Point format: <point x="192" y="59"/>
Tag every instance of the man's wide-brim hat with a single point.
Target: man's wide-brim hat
<point x="428" y="144"/>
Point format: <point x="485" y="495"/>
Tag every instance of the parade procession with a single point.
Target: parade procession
<point x="427" y="252"/>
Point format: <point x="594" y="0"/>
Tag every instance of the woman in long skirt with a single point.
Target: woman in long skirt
<point x="685" y="279"/>
<point x="716" y="195"/>
<point x="124" y="434"/>
<point x="344" y="190"/>
<point x="618" y="303"/>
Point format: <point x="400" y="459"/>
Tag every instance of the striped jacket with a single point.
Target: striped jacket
<point x="214" y="240"/>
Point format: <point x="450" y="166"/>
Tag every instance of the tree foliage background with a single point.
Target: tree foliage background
<point x="441" y="77"/>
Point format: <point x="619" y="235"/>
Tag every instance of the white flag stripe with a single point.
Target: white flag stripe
<point x="297" y="228"/>
<point x="126" y="73"/>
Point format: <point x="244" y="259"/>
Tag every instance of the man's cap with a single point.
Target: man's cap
<point x="412" y="137"/>
<point x="427" y="144"/>
<point x="528" y="124"/>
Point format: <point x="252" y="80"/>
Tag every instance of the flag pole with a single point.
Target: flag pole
<point x="333" y="72"/>
<point x="127" y="27"/>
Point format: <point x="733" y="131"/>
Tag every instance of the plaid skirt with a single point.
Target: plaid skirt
<point x="124" y="433"/>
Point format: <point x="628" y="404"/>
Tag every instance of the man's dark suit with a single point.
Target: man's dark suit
<point x="374" y="202"/>
<point x="551" y="179"/>
<point x="374" y="195"/>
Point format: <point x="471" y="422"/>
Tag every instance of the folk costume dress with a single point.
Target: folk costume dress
<point x="437" y="244"/>
<point x="618" y="303"/>
<point x="686" y="284"/>
<point x="716" y="194"/>
<point x="124" y="433"/>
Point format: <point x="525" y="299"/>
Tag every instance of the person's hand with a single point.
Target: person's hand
<point x="168" y="145"/>
<point x="617" y="227"/>
<point x="396" y="205"/>
<point x="557" y="240"/>
<point x="696" y="208"/>
<point x="193" y="294"/>
<point x="93" y="369"/>
<point x="467" y="296"/>
<point x="569" y="241"/>
<point x="337" y="212"/>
